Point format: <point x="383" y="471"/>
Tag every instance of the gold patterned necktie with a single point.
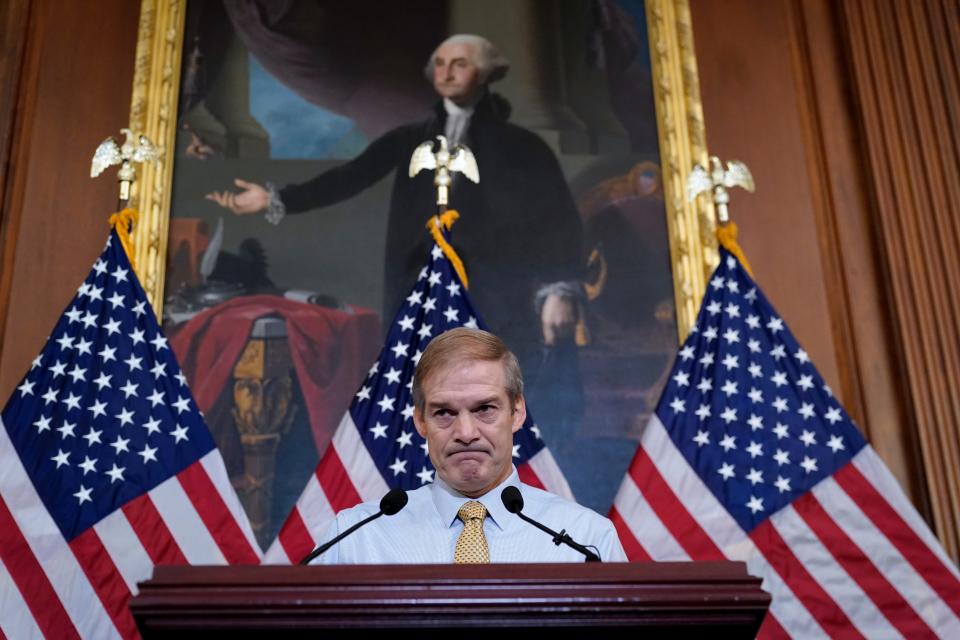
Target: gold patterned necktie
<point x="472" y="544"/>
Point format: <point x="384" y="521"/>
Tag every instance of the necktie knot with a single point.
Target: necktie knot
<point x="472" y="510"/>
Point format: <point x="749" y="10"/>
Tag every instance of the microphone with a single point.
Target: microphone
<point x="390" y="504"/>
<point x="513" y="501"/>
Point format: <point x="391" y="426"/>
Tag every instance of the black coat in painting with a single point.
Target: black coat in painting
<point x="518" y="228"/>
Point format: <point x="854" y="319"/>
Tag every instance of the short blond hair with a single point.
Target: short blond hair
<point x="470" y="345"/>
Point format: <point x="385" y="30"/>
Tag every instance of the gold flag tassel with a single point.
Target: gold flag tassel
<point x="727" y="236"/>
<point x="446" y="220"/>
<point x="123" y="223"/>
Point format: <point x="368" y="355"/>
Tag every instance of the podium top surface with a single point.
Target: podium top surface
<point x="695" y="596"/>
<point x="715" y="573"/>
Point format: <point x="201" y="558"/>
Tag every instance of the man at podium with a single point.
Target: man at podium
<point x="468" y="403"/>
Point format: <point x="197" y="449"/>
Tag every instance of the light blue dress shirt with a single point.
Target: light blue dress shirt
<point x="426" y="530"/>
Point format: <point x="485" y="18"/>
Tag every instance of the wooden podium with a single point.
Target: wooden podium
<point x="679" y="598"/>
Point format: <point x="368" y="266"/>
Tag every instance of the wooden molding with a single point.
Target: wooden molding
<point x="15" y="70"/>
<point x="872" y="380"/>
<point x="906" y="75"/>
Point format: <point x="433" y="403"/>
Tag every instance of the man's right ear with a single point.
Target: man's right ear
<point x="419" y="423"/>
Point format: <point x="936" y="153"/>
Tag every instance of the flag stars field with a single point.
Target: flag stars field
<point x="104" y="370"/>
<point x="753" y="340"/>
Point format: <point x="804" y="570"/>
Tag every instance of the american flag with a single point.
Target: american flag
<point x="376" y="446"/>
<point x="106" y="469"/>
<point x="750" y="457"/>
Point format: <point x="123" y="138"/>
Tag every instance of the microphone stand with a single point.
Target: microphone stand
<point x="562" y="537"/>
<point x="326" y="545"/>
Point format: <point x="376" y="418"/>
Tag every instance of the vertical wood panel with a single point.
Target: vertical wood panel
<point x="776" y="91"/>
<point x="850" y="245"/>
<point x="905" y="71"/>
<point x="750" y="98"/>
<point x="14" y="76"/>
<point x="81" y="61"/>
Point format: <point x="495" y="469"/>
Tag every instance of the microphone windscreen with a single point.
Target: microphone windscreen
<point x="395" y="500"/>
<point x="512" y="499"/>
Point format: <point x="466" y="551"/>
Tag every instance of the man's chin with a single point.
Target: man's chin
<point x="470" y="476"/>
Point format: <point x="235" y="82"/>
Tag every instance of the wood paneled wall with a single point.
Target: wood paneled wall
<point x="905" y="63"/>
<point x="847" y="113"/>
<point x="74" y="77"/>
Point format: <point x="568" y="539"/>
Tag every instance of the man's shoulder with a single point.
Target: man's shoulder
<point x="521" y="144"/>
<point x="352" y="515"/>
<point x="546" y="503"/>
<point x="419" y="130"/>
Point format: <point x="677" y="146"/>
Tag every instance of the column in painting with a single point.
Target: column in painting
<point x="527" y="33"/>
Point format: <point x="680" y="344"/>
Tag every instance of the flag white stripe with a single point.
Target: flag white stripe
<point x="886" y="558"/>
<point x="646" y="525"/>
<point x="125" y="549"/>
<point x="16" y="620"/>
<point x="832" y="577"/>
<point x="546" y="468"/>
<point x="724" y="530"/>
<point x="217" y="472"/>
<point x="690" y="489"/>
<point x="67" y="578"/>
<point x="357" y="461"/>
<point x="785" y="607"/>
<point x="315" y="510"/>
<point x="276" y="554"/>
<point x="184" y="523"/>
<point x="316" y="513"/>
<point x="875" y="471"/>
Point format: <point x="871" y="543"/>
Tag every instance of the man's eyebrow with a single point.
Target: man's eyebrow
<point x="439" y="404"/>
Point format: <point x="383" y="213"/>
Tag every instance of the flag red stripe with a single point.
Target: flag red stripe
<point x="106" y="580"/>
<point x="336" y="483"/>
<point x="152" y="532"/>
<point x="859" y="567"/>
<point x="817" y="601"/>
<point x="31" y="580"/>
<point x="770" y="629"/>
<point x="216" y="516"/>
<point x="674" y="515"/>
<point x="900" y="534"/>
<point x="529" y="476"/>
<point x="295" y="537"/>
<point x="635" y="551"/>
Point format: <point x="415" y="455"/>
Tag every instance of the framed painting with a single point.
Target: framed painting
<point x="276" y="316"/>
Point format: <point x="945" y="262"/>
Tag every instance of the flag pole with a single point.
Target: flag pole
<point x="713" y="184"/>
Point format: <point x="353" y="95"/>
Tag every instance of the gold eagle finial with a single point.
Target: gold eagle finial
<point x="716" y="181"/>
<point x="133" y="149"/>
<point x="436" y="156"/>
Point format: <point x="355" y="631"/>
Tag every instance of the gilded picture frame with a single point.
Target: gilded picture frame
<point x="680" y="140"/>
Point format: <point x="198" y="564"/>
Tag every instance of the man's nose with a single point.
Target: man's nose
<point x="464" y="428"/>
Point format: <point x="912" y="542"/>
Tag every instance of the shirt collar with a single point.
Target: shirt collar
<point x="453" y="109"/>
<point x="448" y="501"/>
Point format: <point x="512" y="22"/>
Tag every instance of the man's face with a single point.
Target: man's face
<point x="469" y="423"/>
<point x="455" y="75"/>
